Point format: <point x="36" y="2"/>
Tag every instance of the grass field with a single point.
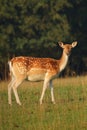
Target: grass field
<point x="69" y="112"/>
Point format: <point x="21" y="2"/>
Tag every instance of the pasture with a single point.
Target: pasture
<point x="69" y="112"/>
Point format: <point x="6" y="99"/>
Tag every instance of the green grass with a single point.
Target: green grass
<point x="69" y="112"/>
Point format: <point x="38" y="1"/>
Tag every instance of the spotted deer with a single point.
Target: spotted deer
<point x="37" y="69"/>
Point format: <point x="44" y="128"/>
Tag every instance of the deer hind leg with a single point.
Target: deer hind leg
<point x="10" y="90"/>
<point x="45" y="85"/>
<point x="52" y="93"/>
<point x="15" y="86"/>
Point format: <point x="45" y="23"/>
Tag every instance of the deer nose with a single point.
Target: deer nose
<point x="68" y="53"/>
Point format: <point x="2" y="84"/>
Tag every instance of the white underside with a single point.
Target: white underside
<point x="36" y="74"/>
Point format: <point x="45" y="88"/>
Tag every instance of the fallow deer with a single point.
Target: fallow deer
<point x="36" y="69"/>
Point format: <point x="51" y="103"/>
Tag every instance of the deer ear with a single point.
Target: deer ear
<point x="74" y="44"/>
<point x="61" y="44"/>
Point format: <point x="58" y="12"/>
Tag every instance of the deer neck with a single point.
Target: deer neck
<point x="63" y="61"/>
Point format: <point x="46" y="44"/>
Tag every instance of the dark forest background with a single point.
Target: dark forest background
<point x="34" y="27"/>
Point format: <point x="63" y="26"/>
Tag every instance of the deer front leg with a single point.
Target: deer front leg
<point x="52" y="93"/>
<point x="43" y="91"/>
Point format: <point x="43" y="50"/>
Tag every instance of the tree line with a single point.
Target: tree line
<point x="34" y="27"/>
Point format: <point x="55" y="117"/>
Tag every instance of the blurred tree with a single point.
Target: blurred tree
<point x="32" y="27"/>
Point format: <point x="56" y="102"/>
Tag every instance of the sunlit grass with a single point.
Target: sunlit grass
<point x="69" y="112"/>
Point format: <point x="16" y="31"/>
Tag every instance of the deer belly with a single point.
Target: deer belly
<point x="36" y="74"/>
